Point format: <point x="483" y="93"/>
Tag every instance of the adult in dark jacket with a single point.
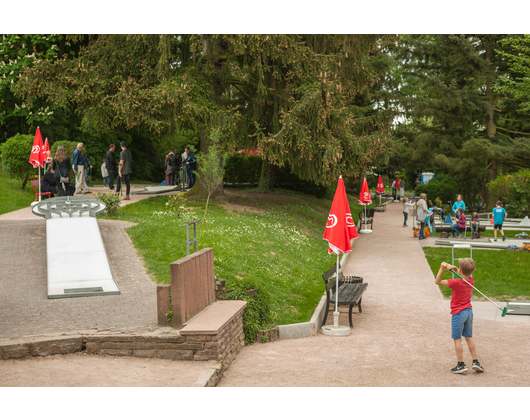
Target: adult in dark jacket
<point x="61" y="168"/>
<point x="191" y="165"/>
<point x="48" y="181"/>
<point x="110" y="164"/>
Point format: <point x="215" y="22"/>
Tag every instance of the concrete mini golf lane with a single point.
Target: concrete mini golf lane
<point x="403" y="336"/>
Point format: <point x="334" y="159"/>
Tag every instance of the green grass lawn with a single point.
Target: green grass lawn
<point x="274" y="239"/>
<point x="500" y="274"/>
<point x="11" y="196"/>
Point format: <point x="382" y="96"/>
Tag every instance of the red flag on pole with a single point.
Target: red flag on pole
<point x="47" y="152"/>
<point x="396" y="186"/>
<point x="364" y="196"/>
<point x="340" y="228"/>
<point x="380" y="186"/>
<point x="37" y="156"/>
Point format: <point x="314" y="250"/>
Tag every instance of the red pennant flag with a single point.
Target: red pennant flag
<point x="380" y="186"/>
<point x="364" y="196"/>
<point x="340" y="228"/>
<point x="396" y="186"/>
<point x="37" y="158"/>
<point x="47" y="152"/>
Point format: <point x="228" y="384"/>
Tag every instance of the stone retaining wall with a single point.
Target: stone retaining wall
<point x="222" y="345"/>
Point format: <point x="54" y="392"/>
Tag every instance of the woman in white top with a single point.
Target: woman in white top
<point x="422" y="212"/>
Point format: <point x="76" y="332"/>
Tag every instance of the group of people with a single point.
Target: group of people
<point x="57" y="179"/>
<point x="423" y="212"/>
<point x="174" y="162"/>
<point x="401" y="188"/>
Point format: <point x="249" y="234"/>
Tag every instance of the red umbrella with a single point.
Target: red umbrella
<point x="37" y="156"/>
<point x="380" y="186"/>
<point x="365" y="199"/>
<point x="47" y="152"/>
<point x="340" y="230"/>
<point x="364" y="196"/>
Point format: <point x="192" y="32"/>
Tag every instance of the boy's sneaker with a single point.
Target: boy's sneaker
<point x="495" y="240"/>
<point x="459" y="368"/>
<point x="477" y="366"/>
<point x="503" y="238"/>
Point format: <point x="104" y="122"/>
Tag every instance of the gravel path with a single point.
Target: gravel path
<point x="402" y="338"/>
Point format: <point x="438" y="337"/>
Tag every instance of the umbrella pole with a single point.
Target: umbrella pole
<point x="365" y="216"/>
<point x="39" y="185"/>
<point x="336" y="313"/>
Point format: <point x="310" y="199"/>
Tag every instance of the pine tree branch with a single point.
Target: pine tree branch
<point x="514" y="132"/>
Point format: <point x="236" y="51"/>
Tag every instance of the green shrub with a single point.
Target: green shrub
<point x="441" y="186"/>
<point x="258" y="314"/>
<point x="514" y="191"/>
<point x="15" y="153"/>
<point x="111" y="200"/>
<point x="176" y="202"/>
<point x="241" y="169"/>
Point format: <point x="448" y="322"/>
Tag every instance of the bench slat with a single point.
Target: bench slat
<point x="350" y="293"/>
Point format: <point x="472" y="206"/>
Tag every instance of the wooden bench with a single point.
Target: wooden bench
<point x="381" y="207"/>
<point x="445" y="231"/>
<point x="369" y="218"/>
<point x="351" y="290"/>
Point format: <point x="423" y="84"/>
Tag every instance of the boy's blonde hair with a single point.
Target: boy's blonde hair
<point x="467" y="266"/>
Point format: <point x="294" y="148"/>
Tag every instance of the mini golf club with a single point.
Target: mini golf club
<point x="503" y="310"/>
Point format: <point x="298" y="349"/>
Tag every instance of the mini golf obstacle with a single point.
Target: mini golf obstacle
<point x="518" y="308"/>
<point x="77" y="260"/>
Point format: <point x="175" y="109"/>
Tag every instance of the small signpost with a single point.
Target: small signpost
<point x="188" y="242"/>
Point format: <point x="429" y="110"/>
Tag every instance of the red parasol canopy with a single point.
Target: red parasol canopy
<point x="380" y="186"/>
<point x="47" y="152"/>
<point x="396" y="185"/>
<point x="37" y="156"/>
<point x="364" y="196"/>
<point x="340" y="228"/>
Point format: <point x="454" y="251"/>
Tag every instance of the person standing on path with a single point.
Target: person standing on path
<point x="394" y="191"/>
<point x="406" y="205"/>
<point x="191" y="165"/>
<point x="461" y="311"/>
<point x="124" y="169"/>
<point x="78" y="162"/>
<point x="498" y="219"/>
<point x="110" y="164"/>
<point x="61" y="169"/>
<point x="422" y="211"/>
<point x="402" y="187"/>
<point x="104" y="174"/>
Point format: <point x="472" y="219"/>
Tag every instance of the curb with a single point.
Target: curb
<point x="311" y="328"/>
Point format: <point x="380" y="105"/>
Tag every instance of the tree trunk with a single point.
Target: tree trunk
<point x="491" y="127"/>
<point x="266" y="182"/>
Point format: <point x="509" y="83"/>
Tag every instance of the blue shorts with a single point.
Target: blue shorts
<point x="462" y="324"/>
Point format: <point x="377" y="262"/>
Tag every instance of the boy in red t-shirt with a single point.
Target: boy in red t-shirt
<point x="461" y="310"/>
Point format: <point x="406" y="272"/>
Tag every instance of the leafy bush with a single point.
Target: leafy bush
<point x="111" y="200"/>
<point x="15" y="154"/>
<point x="514" y="191"/>
<point x="176" y="202"/>
<point x="441" y="186"/>
<point x="241" y="169"/>
<point x="258" y="314"/>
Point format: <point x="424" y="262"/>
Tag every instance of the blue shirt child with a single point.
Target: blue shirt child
<point x="498" y="215"/>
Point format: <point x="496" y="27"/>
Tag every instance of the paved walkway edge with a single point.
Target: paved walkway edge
<point x="23" y="349"/>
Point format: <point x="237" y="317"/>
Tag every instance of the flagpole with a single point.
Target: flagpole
<point x="336" y="313"/>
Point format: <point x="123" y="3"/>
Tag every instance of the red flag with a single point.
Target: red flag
<point x="340" y="228"/>
<point x="380" y="186"/>
<point x="47" y="152"/>
<point x="396" y="185"/>
<point x="37" y="156"/>
<point x="364" y="196"/>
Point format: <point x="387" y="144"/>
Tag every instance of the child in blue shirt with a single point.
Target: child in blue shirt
<point x="498" y="218"/>
<point x="475" y="222"/>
